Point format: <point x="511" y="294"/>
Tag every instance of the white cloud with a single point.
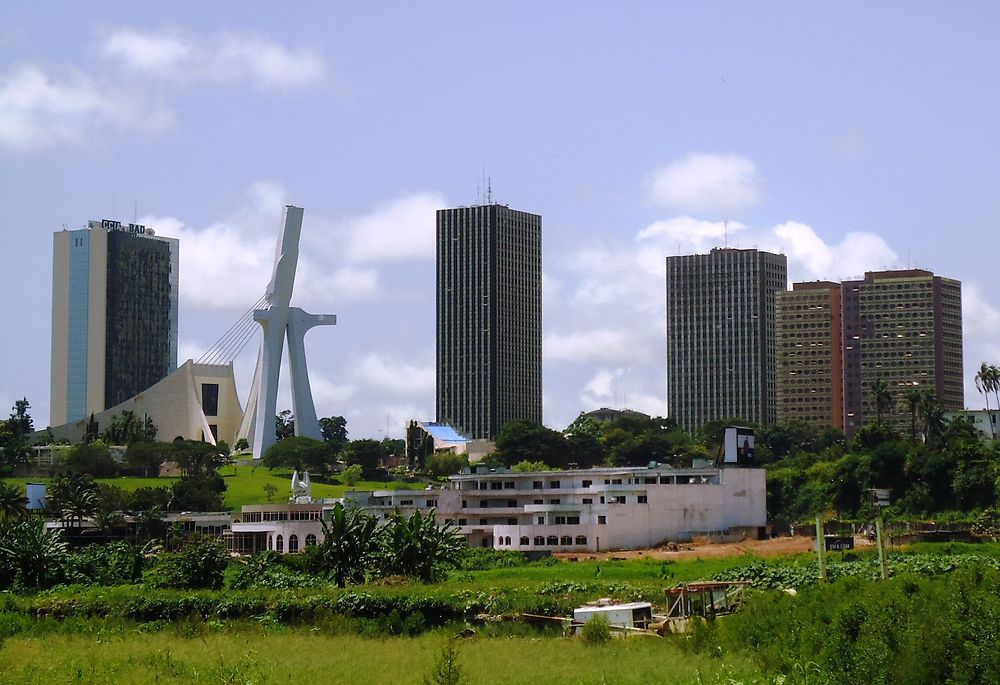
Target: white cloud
<point x="620" y="388"/>
<point x="395" y="375"/>
<point x="39" y="109"/>
<point x="581" y="346"/>
<point x="172" y="55"/>
<point x="353" y="283"/>
<point x="852" y="256"/>
<point x="719" y="184"/>
<point x="228" y="264"/>
<point x="401" y="229"/>
<point x="694" y="234"/>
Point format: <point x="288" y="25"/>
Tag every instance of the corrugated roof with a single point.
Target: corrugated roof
<point x="442" y="431"/>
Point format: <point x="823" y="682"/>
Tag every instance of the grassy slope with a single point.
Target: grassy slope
<point x="244" y="484"/>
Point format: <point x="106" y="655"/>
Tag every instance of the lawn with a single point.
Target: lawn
<point x="245" y="484"/>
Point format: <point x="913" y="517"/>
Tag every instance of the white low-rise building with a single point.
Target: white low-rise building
<point x="593" y="509"/>
<point x="600" y="509"/>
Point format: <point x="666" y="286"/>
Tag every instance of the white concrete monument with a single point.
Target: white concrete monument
<point x="280" y="321"/>
<point x="301" y="491"/>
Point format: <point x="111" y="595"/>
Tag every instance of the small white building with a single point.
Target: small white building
<point x="981" y="420"/>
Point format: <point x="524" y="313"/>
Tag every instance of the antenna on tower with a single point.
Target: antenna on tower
<point x="489" y="190"/>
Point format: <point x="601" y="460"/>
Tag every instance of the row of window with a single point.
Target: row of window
<point x="278" y="543"/>
<point x="541" y="541"/>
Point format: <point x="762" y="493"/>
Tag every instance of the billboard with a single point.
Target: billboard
<point x="739" y="445"/>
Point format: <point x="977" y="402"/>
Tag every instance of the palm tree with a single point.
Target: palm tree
<point x="881" y="397"/>
<point x="75" y="497"/>
<point x="931" y="414"/>
<point x="994" y="377"/>
<point x="985" y="383"/>
<point x="348" y="544"/>
<point x="13" y="503"/>
<point x="912" y="396"/>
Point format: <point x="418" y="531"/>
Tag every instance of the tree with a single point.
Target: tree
<point x="196" y="458"/>
<point x="987" y="381"/>
<point x="445" y="463"/>
<point x="367" y="454"/>
<point x="284" y="425"/>
<point x="521" y="440"/>
<point x="529" y="466"/>
<point x="881" y="398"/>
<point x="931" y="415"/>
<point x="13" y="502"/>
<point x="418" y="547"/>
<point x="144" y="458"/>
<point x="126" y="428"/>
<point x="93" y="430"/>
<point x="347" y="547"/>
<point x="30" y="555"/>
<point x="334" y="430"/>
<point x="912" y="396"/>
<point x="300" y="453"/>
<point x="92" y="458"/>
<point x="74" y="497"/>
<point x="20" y="421"/>
<point x="198" y="492"/>
<point x="242" y="445"/>
<point x="351" y="475"/>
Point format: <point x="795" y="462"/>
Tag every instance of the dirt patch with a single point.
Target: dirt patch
<point x="764" y="548"/>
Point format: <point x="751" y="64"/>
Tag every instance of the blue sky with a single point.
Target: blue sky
<point x="849" y="136"/>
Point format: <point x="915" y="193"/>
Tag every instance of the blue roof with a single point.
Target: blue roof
<point x="442" y="431"/>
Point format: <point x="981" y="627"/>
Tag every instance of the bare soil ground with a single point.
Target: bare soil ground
<point x="691" y="550"/>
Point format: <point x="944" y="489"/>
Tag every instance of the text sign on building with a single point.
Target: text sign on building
<point x="739" y="445"/>
<point x="112" y="225"/>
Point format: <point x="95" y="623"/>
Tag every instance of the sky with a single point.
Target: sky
<point x="849" y="136"/>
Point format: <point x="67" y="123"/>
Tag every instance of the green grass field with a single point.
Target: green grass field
<point x="197" y="653"/>
<point x="245" y="484"/>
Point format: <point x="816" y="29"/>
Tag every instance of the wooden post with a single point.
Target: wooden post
<point x="821" y="549"/>
<point x="881" y="545"/>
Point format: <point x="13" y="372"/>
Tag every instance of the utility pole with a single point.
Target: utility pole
<point x="821" y="549"/>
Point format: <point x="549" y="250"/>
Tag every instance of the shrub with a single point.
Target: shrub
<point x="201" y="564"/>
<point x="447" y="670"/>
<point x="596" y="631"/>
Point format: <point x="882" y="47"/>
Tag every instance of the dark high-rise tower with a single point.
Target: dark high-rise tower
<point x="489" y="318"/>
<point x="721" y="335"/>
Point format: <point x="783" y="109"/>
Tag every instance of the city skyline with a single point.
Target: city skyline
<point x="669" y="131"/>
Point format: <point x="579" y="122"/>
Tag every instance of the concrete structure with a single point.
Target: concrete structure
<point x="279" y="322"/>
<point x="721" y="336"/>
<point x="489" y="318"/>
<point x="903" y="327"/>
<point x="810" y="354"/>
<point x="981" y="421"/>
<point x="114" y="316"/>
<point x="587" y="509"/>
<point x="195" y="402"/>
<point x="287" y="528"/>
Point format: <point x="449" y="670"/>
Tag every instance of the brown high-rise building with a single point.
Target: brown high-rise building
<point x="903" y="327"/>
<point x="809" y="354"/>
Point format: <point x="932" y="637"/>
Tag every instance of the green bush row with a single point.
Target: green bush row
<point x="911" y="629"/>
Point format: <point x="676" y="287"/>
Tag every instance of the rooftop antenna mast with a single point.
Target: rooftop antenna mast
<point x="725" y="232"/>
